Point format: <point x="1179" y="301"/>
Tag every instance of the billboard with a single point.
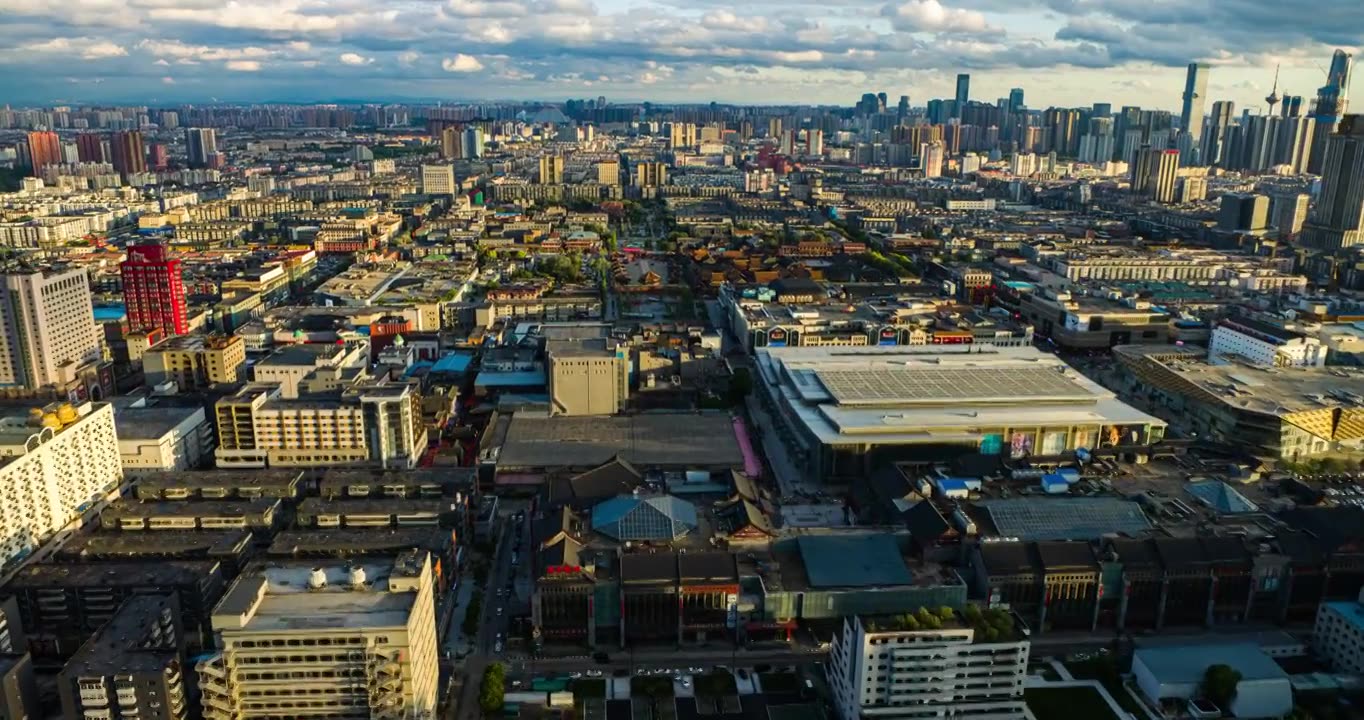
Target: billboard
<point x="776" y="337"/>
<point x="888" y="336"/>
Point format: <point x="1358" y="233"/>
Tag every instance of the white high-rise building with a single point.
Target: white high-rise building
<point x="47" y="328"/>
<point x="439" y="180"/>
<point x="58" y="459"/>
<point x="879" y="669"/>
<point x="1023" y="165"/>
<point x="334" y="640"/>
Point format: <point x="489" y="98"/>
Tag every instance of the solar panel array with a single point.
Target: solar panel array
<point x="938" y="384"/>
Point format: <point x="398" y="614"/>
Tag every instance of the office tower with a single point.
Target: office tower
<point x="1140" y="172"/>
<point x="932" y="156"/>
<point x="867" y="105"/>
<point x="902" y="108"/>
<point x="1015" y="100"/>
<point x="1098" y="143"/>
<point x="1294" y="146"/>
<point x="947" y="666"/>
<point x="963" y="94"/>
<point x="650" y="174"/>
<point x="1243" y="212"/>
<point x="1333" y="97"/>
<point x="1259" y="135"/>
<point x="1337" y="221"/>
<point x="90" y="148"/>
<point x="1214" y="137"/>
<point x="1292" y="106"/>
<point x="154" y="290"/>
<point x="47" y="327"/>
<point x="44" y="148"/>
<point x="450" y="140"/>
<point x="472" y="146"/>
<point x="1164" y="175"/>
<point x="160" y="156"/>
<point x="72" y="458"/>
<point x="439" y="179"/>
<point x="1102" y="110"/>
<point x="814" y="142"/>
<point x="127" y="154"/>
<point x="1063" y="136"/>
<point x="201" y="145"/>
<point x="369" y="623"/>
<point x="1195" y="97"/>
<point x="551" y="169"/>
<point x="131" y="667"/>
<point x="1289" y="213"/>
<point x="608" y="172"/>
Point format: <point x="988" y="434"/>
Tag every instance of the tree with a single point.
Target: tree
<point x="493" y="689"/>
<point x="472" y="614"/>
<point x="946" y="613"/>
<point x="1219" y="684"/>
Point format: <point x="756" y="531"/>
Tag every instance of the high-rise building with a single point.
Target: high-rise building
<point x="932" y="156"/>
<point x="814" y="142"/>
<point x="127" y="154"/>
<point x="932" y="667"/>
<point x="1063" y="131"/>
<point x="650" y="174"/>
<point x="773" y="127"/>
<point x="439" y="179"/>
<point x="472" y="147"/>
<point x="1015" y="100"/>
<point x="132" y="667"/>
<point x="1294" y="146"/>
<point x="68" y="459"/>
<point x="47" y="327"/>
<point x="1140" y="173"/>
<point x="201" y="147"/>
<point x="450" y="143"/>
<point x="1164" y="176"/>
<point x="1214" y="137"/>
<point x="44" y="148"/>
<point x="682" y="135"/>
<point x="154" y="290"/>
<point x="1195" y="98"/>
<point x="963" y="94"/>
<point x="90" y="148"/>
<point x="1243" y="212"/>
<point x="608" y="172"/>
<point x="1337" y="221"/>
<point x="902" y="108"/>
<point x="301" y="639"/>
<point x="551" y="169"/>
<point x="788" y="142"/>
<point x="160" y="156"/>
<point x="1333" y="97"/>
<point x="1289" y="212"/>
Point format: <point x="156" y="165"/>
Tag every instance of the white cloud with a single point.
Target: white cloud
<point x="408" y="58"/>
<point x="86" y="48"/>
<point x="933" y="16"/>
<point x="351" y="58"/>
<point x="180" y="51"/>
<point x="243" y="65"/>
<point x="461" y="63"/>
<point x="161" y="61"/>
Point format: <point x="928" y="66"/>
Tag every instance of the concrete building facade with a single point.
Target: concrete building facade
<point x="47" y="328"/>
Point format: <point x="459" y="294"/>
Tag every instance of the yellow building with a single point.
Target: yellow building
<point x="193" y="361"/>
<point x="325" y="641"/>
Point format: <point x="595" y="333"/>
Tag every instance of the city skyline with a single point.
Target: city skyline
<point x="1063" y="54"/>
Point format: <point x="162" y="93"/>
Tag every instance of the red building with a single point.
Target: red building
<point x="128" y="156"/>
<point x="90" y="148"/>
<point x="44" y="148"/>
<point x="154" y="290"/>
<point x="160" y="156"/>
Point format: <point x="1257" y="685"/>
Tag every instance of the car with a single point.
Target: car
<point x="594" y="673"/>
<point x="498" y="647"/>
<point x="575" y="675"/>
<point x="686" y="683"/>
<point x="499" y="611"/>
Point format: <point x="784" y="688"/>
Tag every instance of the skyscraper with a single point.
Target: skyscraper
<point x="450" y="142"/>
<point x="1337" y="221"/>
<point x="1333" y="97"/>
<point x="201" y="144"/>
<point x="963" y="93"/>
<point x="1290" y="212"/>
<point x="47" y="327"/>
<point x="551" y="169"/>
<point x="127" y="154"/>
<point x="902" y="108"/>
<point x="90" y="148"/>
<point x="154" y="290"/>
<point x="1214" y="139"/>
<point x="814" y="142"/>
<point x="472" y="146"/>
<point x="1195" y="91"/>
<point x="1015" y="100"/>
<point x="44" y="148"/>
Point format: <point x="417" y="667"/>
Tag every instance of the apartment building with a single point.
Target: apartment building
<point x="290" y="365"/>
<point x="132" y="668"/>
<point x="53" y="462"/>
<point x="881" y="668"/>
<point x="195" y="362"/>
<point x="370" y="423"/>
<point x="47" y="328"/>
<point x="332" y="640"/>
<point x="1338" y="637"/>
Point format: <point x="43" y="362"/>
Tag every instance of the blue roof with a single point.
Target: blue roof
<point x="853" y="561"/>
<point x="1221" y="497"/>
<point x="656" y="517"/>
<point x="1187" y="663"/>
<point x="454" y="362"/>
<point x="110" y="313"/>
<point x="524" y="378"/>
<point x="1350" y="611"/>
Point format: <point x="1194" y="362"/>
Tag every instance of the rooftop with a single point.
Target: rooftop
<point x="124" y="645"/>
<point x="1066" y="518"/>
<point x="1187" y="663"/>
<point x="650" y="440"/>
<point x="163" y="574"/>
<point x="853" y="561"/>
<point x="276" y="596"/>
<point x="151" y="423"/>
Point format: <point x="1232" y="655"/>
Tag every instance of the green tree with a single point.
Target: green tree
<point x="472" y="614"/>
<point x="946" y="613"/>
<point x="1219" y="684"/>
<point x="493" y="689"/>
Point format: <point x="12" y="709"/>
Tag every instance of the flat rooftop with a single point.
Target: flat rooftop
<point x="1066" y="518"/>
<point x="162" y="573"/>
<point x="119" y="647"/>
<point x="275" y="596"/>
<point x="853" y="561"/>
<point x="169" y="543"/>
<point x="650" y="440"/>
<point x="380" y="540"/>
<point x="151" y="423"/>
<point x="1275" y="391"/>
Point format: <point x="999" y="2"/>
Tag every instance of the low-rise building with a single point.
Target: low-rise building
<point x="1338" y="636"/>
<point x="1260" y="343"/>
<point x="194" y="362"/>
<point x="163" y="438"/>
<point x="1175" y="673"/>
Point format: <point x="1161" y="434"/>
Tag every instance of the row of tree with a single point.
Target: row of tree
<point x="493" y="690"/>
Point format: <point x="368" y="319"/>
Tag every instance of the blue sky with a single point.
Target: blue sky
<point x="1062" y="52"/>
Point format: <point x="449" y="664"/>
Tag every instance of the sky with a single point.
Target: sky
<point x="1062" y="52"/>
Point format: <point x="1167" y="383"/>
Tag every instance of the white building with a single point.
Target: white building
<point x="47" y="328"/>
<point x="439" y="180"/>
<point x="876" y="671"/>
<point x="1263" y="344"/>
<point x="334" y="641"/>
<point x="54" y="462"/>
<point x="1173" y="673"/>
<point x="1338" y="637"/>
<point x="163" y="439"/>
